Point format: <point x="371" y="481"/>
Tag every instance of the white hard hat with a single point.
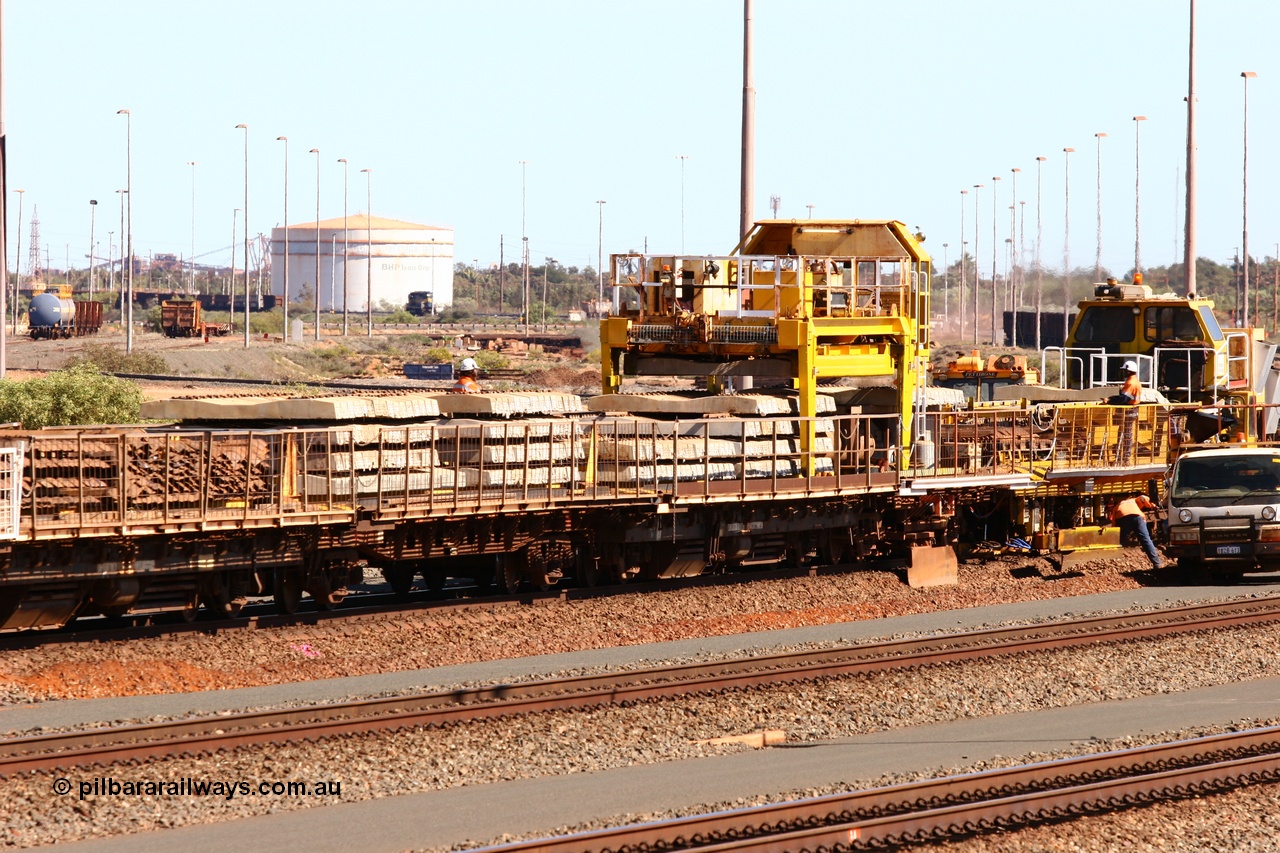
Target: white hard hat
<point x="468" y="364"/>
<point x="1128" y="366"/>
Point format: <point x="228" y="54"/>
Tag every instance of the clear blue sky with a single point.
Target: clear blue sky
<point x="870" y="110"/>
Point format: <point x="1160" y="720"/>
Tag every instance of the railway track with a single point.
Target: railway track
<point x="372" y="605"/>
<point x="210" y="734"/>
<point x="956" y="806"/>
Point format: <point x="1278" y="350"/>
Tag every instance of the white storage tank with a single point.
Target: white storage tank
<point x="406" y="257"/>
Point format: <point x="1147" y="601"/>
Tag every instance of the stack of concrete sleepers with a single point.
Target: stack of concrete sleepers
<point x="513" y="439"/>
<point x="731" y="437"/>
<point x="509" y="404"/>
<point x="368" y="459"/>
<point x="541" y="453"/>
<point x="268" y="408"/>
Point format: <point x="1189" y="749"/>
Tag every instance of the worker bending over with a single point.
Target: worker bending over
<point x="1129" y="515"/>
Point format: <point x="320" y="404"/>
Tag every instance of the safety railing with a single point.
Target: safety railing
<point x="111" y="482"/>
<point x="1043" y="441"/>
<point x="1106" y="368"/>
<point x="975" y="443"/>
<point x="1107" y="437"/>
<point x="1180" y="371"/>
<point x="130" y="481"/>
<point x="1067" y="359"/>
<point x="768" y="286"/>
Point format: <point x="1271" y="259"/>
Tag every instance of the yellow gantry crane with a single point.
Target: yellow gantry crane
<point x="809" y="300"/>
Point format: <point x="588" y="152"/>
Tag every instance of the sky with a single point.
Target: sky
<point x="864" y="109"/>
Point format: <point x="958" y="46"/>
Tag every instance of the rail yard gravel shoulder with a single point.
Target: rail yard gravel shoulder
<point x="232" y="659"/>
<point x="560" y="742"/>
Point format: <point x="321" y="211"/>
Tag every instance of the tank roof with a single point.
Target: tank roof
<point x="361" y="222"/>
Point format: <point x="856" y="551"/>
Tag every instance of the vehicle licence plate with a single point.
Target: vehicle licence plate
<point x="1224" y="550"/>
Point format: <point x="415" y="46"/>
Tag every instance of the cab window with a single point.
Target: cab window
<point x="1210" y="323"/>
<point x="1171" y="323"/>
<point x="1106" y="324"/>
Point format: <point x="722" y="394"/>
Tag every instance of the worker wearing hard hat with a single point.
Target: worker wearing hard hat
<point x="467" y="383"/>
<point x="1130" y="395"/>
<point x="1131" y="388"/>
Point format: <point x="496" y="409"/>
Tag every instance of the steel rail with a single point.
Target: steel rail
<point x="291" y="725"/>
<point x="952" y="806"/>
<point x="355" y="609"/>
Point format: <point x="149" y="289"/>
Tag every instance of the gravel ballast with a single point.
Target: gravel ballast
<point x="231" y="659"/>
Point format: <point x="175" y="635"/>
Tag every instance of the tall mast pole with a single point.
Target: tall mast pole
<point x="4" y="213"/>
<point x="748" y="126"/>
<point x="1189" y="241"/>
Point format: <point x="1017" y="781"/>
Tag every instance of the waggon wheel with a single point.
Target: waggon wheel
<point x="512" y="568"/>
<point x="287" y="592"/>
<point x="434" y="579"/>
<point x="226" y="601"/>
<point x="400" y="580"/>
<point x="589" y="569"/>
<point x="190" y="608"/>
<point x="835" y="546"/>
<point x="323" y="592"/>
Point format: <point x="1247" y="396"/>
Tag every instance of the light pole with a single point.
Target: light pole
<point x="128" y="188"/>
<point x="963" y="264"/>
<point x="1021" y="295"/>
<point x="231" y="275"/>
<point x="546" y="270"/>
<point x="285" y="140"/>
<point x="682" y="158"/>
<point x="810" y="210"/>
<point x="1245" y="201"/>
<point x="1011" y="290"/>
<point x="1040" y="161"/>
<point x="192" y="287"/>
<point x="524" y="239"/>
<point x="1189" y="238"/>
<point x="1066" y="243"/>
<point x="600" y="203"/>
<point x="946" y="273"/>
<point x="346" y="242"/>
<point x="17" y="282"/>
<point x="93" y="217"/>
<point x="977" y="273"/>
<point x="245" y="128"/>
<point x="995" y="254"/>
<point x="123" y="194"/>
<point x="1137" y="194"/>
<point x="316" y="151"/>
<point x="368" y="236"/>
<point x="1097" y="262"/>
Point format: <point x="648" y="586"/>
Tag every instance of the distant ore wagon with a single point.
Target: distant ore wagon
<point x="181" y="318"/>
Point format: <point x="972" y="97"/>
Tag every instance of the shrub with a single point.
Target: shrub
<point x="400" y="315"/>
<point x="437" y="355"/>
<point x="490" y="360"/>
<point x="105" y="358"/>
<point x="264" y="323"/>
<point x="74" y="395"/>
